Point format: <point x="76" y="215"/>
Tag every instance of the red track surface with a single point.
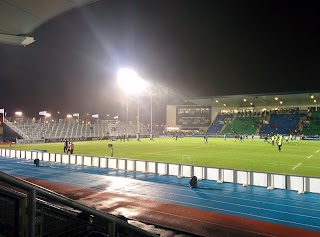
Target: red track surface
<point x="191" y="220"/>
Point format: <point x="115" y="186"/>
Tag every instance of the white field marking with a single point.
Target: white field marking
<point x="296" y="166"/>
<point x="317" y="151"/>
<point x="309" y="156"/>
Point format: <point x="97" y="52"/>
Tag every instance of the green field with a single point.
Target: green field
<point x="302" y="158"/>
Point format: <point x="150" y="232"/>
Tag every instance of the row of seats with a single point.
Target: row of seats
<point x="276" y="123"/>
<point x="30" y="129"/>
<point x="243" y="125"/>
<point x="311" y="125"/>
<point x="282" y="124"/>
<point x="219" y="122"/>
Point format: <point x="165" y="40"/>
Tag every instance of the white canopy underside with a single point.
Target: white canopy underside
<point x="19" y="18"/>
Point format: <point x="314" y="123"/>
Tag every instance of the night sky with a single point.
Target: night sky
<point x="184" y="48"/>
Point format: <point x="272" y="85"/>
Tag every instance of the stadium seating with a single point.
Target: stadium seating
<point x="219" y="122"/>
<point x="243" y="125"/>
<point x="282" y="124"/>
<point x="311" y="124"/>
<point x="32" y="129"/>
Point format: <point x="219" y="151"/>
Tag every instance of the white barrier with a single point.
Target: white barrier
<point x="65" y="159"/>
<point x="46" y="157"/>
<point x="162" y="168"/>
<point x="28" y="155"/>
<point x="131" y="165"/>
<point x="112" y="163"/>
<point x="152" y="167"/>
<point x="140" y="166"/>
<point x="279" y="181"/>
<point x="79" y="160"/>
<point x="259" y="179"/>
<point x="103" y="162"/>
<point x="87" y="160"/>
<point x="73" y="159"/>
<point x="313" y="185"/>
<point x="173" y="169"/>
<point x="268" y="180"/>
<point x="122" y="164"/>
<point x="95" y="161"/>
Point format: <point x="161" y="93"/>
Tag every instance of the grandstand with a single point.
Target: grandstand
<point x="32" y="129"/>
<point x="254" y="114"/>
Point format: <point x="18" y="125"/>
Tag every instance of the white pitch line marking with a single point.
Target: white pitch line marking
<point x="296" y="166"/>
<point x="310" y="156"/>
<point x="317" y="151"/>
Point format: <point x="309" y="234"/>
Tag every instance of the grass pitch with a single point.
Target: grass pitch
<point x="300" y="158"/>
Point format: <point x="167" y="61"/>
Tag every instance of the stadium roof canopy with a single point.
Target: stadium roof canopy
<point x="274" y="100"/>
<point x="19" y="18"/>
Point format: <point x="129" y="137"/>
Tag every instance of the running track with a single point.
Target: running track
<point x="213" y="209"/>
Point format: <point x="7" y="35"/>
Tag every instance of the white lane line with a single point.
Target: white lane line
<point x="317" y="151"/>
<point x="309" y="156"/>
<point x="296" y="166"/>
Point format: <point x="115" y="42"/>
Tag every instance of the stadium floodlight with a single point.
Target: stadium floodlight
<point x="69" y="116"/>
<point x="47" y="115"/>
<point x="151" y="135"/>
<point x="18" y="113"/>
<point x="131" y="83"/>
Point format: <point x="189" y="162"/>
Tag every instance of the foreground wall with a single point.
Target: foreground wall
<point x="268" y="180"/>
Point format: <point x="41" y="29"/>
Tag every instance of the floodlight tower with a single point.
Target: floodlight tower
<point x="151" y="135"/>
<point x="131" y="83"/>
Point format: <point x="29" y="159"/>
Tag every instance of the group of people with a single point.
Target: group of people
<point x="68" y="147"/>
<point x="278" y="139"/>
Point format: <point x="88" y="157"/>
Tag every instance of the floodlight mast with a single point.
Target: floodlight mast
<point x="130" y="82"/>
<point x="151" y="135"/>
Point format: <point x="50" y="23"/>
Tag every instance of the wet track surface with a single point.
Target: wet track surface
<point x="213" y="209"/>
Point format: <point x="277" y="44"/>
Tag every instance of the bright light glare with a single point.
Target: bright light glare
<point x="118" y="183"/>
<point x="130" y="81"/>
<point x="18" y="113"/>
<point x="69" y="116"/>
<point x="48" y="115"/>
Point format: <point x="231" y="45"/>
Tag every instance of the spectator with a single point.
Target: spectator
<point x="65" y="147"/>
<point x="36" y="162"/>
<point x="193" y="182"/>
<point x="71" y="148"/>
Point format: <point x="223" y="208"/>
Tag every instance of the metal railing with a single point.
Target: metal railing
<point x="28" y="219"/>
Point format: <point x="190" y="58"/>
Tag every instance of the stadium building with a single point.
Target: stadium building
<point x="258" y="114"/>
<point x="253" y="114"/>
